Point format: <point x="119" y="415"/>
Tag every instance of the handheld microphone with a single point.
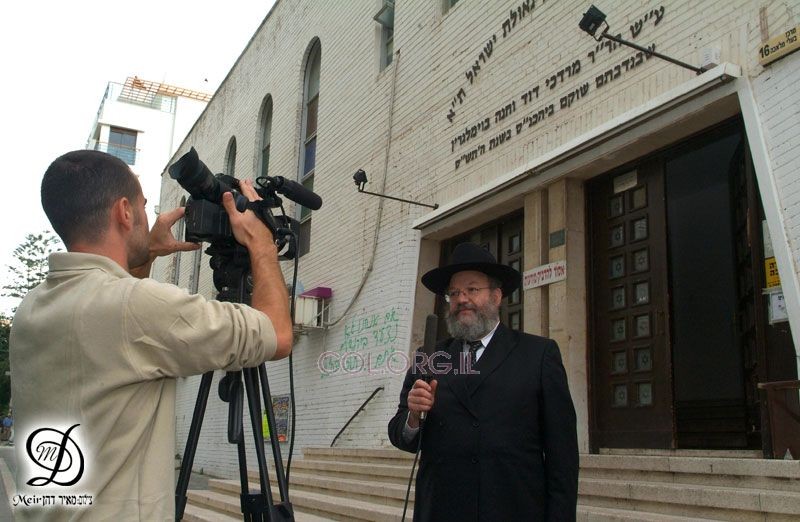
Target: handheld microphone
<point x="296" y="192"/>
<point x="428" y="347"/>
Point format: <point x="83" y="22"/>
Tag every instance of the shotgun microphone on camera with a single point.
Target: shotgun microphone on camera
<point x="296" y="192"/>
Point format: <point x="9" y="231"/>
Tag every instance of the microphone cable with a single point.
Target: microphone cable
<point x="291" y="365"/>
<point x="428" y="347"/>
<point x="413" y="467"/>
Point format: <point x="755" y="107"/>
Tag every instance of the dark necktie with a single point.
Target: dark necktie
<point x="474" y="346"/>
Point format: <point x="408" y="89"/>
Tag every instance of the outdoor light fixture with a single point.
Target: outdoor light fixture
<point x="594" y="18"/>
<point x="360" y="178"/>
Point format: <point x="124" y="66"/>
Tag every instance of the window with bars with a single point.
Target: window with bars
<point x="266" y="135"/>
<point x="122" y="144"/>
<point x="308" y="144"/>
<point x="448" y="4"/>
<point x="176" y="258"/>
<point x="385" y="18"/>
<point x="230" y="157"/>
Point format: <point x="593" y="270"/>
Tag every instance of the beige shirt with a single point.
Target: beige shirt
<point x="95" y="346"/>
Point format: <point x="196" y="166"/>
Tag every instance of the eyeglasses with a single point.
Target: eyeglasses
<point x="470" y="292"/>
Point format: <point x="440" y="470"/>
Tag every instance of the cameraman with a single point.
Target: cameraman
<point x="96" y="347"/>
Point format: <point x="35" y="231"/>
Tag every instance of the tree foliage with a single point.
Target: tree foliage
<point x="30" y="266"/>
<point x="28" y="270"/>
<point x="5" y="380"/>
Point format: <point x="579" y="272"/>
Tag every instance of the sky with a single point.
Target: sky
<point x="56" y="59"/>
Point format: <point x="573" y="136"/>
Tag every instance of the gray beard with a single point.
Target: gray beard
<point x="486" y="318"/>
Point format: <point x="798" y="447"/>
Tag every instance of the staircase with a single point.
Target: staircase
<point x="687" y="486"/>
<point x="370" y="484"/>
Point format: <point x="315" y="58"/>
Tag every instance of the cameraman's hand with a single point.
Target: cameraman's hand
<point x="162" y="242"/>
<point x="269" y="290"/>
<point x="247" y="228"/>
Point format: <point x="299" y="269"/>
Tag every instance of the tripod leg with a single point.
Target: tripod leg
<point x="191" y="444"/>
<point x="235" y="394"/>
<point x="283" y="486"/>
<point x="230" y="391"/>
<point x="254" y="403"/>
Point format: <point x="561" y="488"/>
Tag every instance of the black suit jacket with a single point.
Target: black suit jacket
<point x="501" y="445"/>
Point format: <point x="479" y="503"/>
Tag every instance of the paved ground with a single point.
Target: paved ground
<point x="8" y="467"/>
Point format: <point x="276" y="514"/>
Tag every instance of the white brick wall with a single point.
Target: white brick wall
<point x="354" y="109"/>
<point x="778" y="102"/>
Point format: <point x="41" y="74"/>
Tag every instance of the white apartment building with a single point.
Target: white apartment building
<point x="654" y="211"/>
<point x="143" y="122"/>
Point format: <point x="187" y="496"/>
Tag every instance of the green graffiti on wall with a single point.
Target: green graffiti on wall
<point x="368" y="343"/>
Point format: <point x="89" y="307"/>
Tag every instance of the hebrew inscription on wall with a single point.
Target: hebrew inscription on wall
<point x="559" y="90"/>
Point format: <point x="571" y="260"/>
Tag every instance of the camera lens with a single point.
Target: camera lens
<point x="193" y="175"/>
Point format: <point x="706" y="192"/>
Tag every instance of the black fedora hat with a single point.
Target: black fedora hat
<point x="469" y="256"/>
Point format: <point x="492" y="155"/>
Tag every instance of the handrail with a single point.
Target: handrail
<point x="359" y="410"/>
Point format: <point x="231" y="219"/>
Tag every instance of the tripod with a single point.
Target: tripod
<point x="256" y="507"/>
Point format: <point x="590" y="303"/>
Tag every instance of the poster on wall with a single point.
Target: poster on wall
<point x="773" y="278"/>
<point x="280" y="407"/>
<point x="777" y="307"/>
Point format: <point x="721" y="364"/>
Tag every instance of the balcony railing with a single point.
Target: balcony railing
<point x="126" y="154"/>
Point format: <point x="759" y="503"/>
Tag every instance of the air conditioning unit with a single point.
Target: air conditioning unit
<point x="311" y="308"/>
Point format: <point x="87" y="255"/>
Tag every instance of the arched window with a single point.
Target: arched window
<point x="194" y="282"/>
<point x="230" y="157"/>
<point x="176" y="258"/>
<point x="266" y="135"/>
<point x="308" y="141"/>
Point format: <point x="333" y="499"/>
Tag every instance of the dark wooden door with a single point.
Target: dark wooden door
<point x="631" y="361"/>
<point x="750" y="320"/>
<point x="710" y="285"/>
<point x="511" y="254"/>
<point x="679" y="331"/>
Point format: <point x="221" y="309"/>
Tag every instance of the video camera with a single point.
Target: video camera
<point x="207" y="220"/>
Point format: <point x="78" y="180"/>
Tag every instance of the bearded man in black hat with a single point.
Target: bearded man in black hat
<point x="499" y="442"/>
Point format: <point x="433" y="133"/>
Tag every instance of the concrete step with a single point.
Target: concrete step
<point x="213" y="506"/>
<point x="392" y="473"/>
<point x="782" y="475"/>
<point x="383" y="493"/>
<point x="345" y="508"/>
<point x="317" y="503"/>
<point x="732" y="454"/>
<point x="371" y="455"/>
<point x="681" y="500"/>
<point x="668" y="486"/>
<point x="214" y="500"/>
<point x="599" y="514"/>
<point x="322" y="505"/>
<point x="196" y="513"/>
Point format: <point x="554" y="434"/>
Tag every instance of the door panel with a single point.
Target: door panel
<point x="708" y="361"/>
<point x="511" y="254"/>
<point x="696" y="307"/>
<point x="630" y="348"/>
